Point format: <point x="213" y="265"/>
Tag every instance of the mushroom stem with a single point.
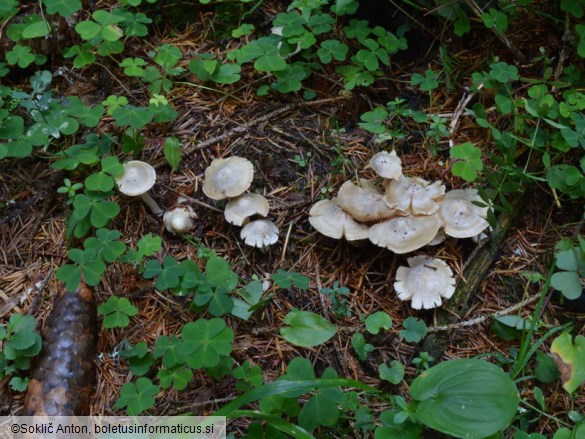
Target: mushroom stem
<point x="154" y="208"/>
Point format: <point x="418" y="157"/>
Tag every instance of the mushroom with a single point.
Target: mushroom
<point x="386" y="164"/>
<point x="259" y="233"/>
<point x="462" y="218"/>
<point x="405" y="233"/>
<point x="179" y="219"/>
<point x="329" y="219"/>
<point x="425" y="282"/>
<point x="137" y="179"/>
<point x="413" y="194"/>
<point x="365" y="203"/>
<point x="238" y="209"/>
<point x="228" y="177"/>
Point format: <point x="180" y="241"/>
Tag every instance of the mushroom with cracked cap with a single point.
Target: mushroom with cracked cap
<point x="364" y="203"/>
<point x="239" y="209"/>
<point x="386" y="164"/>
<point x="228" y="177"/>
<point x="425" y="281"/>
<point x="414" y="195"/>
<point x="404" y="234"/>
<point x="259" y="233"/>
<point x="462" y="218"/>
<point x="138" y="178"/>
<point x="331" y="220"/>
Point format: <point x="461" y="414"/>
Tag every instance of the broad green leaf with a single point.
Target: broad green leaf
<point x="393" y="373"/>
<point x="468" y="162"/>
<point x="465" y="398"/>
<point x="306" y="329"/>
<point x="172" y="151"/>
<point x="205" y="341"/>
<point x="570" y="360"/>
<point x="378" y="320"/>
<point x="35" y="30"/>
<point x="102" y="212"/>
<point x="100" y="182"/>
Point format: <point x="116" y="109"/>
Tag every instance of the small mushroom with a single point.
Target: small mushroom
<point x="329" y="219"/>
<point x="364" y="203"/>
<point x="414" y="195"/>
<point x="386" y="164"/>
<point x="462" y="218"/>
<point x="228" y="177"/>
<point x="179" y="219"/>
<point x="405" y="233"/>
<point x="425" y="282"/>
<point x="259" y="233"/>
<point x="239" y="209"/>
<point x="138" y="178"/>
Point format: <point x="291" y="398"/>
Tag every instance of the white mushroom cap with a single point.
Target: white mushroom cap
<point x="179" y="220"/>
<point x="138" y="178"/>
<point x="405" y="233"/>
<point x="238" y="209"/>
<point x="228" y="177"/>
<point x="425" y="282"/>
<point x="415" y="195"/>
<point x="329" y="219"/>
<point x="462" y="218"/>
<point x="365" y="203"/>
<point x="259" y="233"/>
<point x="386" y="164"/>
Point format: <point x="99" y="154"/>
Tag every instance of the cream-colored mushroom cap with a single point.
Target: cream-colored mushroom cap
<point x="414" y="195"/>
<point x="239" y="209"/>
<point x="405" y="233"/>
<point x="179" y="219"/>
<point x="259" y="233"/>
<point x="462" y="218"/>
<point x="425" y="282"/>
<point x="386" y="164"/>
<point x="365" y="202"/>
<point x="228" y="177"/>
<point x="329" y="219"/>
<point x="138" y="178"/>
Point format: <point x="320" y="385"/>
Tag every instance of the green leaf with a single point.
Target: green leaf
<point x="286" y="279"/>
<point x="495" y="19"/>
<point x="306" y="329"/>
<point x="19" y="384"/>
<point x="332" y="49"/>
<point x="172" y="151"/>
<point x="390" y="429"/>
<point x="243" y="30"/>
<point x="469" y="161"/>
<point x="568" y="283"/>
<point x="36" y="29"/>
<point x="546" y="370"/>
<point x="205" y="342"/>
<point x="102" y="212"/>
<point x="378" y="320"/>
<point x="137" y="397"/>
<point x="503" y="72"/>
<point x="179" y="378"/>
<point x="100" y="181"/>
<point x="414" y="330"/>
<point x="87" y="30"/>
<point x="454" y="398"/>
<point x="362" y="349"/>
<point x="65" y="8"/>
<point x="393" y="373"/>
<point x="570" y="360"/>
<point x="427" y="82"/>
<point x="171" y="349"/>
<point x="116" y="312"/>
<point x="136" y="117"/>
<point x="20" y="55"/>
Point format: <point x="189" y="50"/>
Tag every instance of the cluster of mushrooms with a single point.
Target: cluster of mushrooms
<point x="225" y="178"/>
<point x="230" y="178"/>
<point x="406" y="214"/>
<point x="138" y="178"/>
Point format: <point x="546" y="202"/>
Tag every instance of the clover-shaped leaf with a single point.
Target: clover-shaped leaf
<point x="205" y="342"/>
<point x="65" y="8"/>
<point x="117" y="312"/>
<point x="287" y="279"/>
<point x="107" y="244"/>
<point x="137" y="397"/>
<point x="468" y="162"/>
<point x="179" y="377"/>
<point x="427" y="82"/>
<point x="393" y="373"/>
<point x="170" y="349"/>
<point x="332" y="49"/>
